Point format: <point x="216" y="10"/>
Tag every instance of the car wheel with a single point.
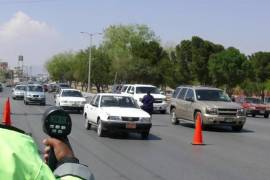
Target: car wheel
<point x="253" y="115"/>
<point x="266" y="115"/>
<point x="87" y="125"/>
<point x="100" y="131"/>
<point x="237" y="128"/>
<point x="25" y="102"/>
<point x="173" y="118"/>
<point x="14" y="98"/>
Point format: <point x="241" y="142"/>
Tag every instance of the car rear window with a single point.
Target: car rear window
<point x="118" y="101"/>
<point x="71" y="94"/>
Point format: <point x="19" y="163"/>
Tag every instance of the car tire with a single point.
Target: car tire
<point x="25" y="102"/>
<point x="173" y="118"/>
<point x="144" y="135"/>
<point x="163" y="112"/>
<point x="253" y="115"/>
<point x="14" y="98"/>
<point x="266" y="115"/>
<point x="100" y="131"/>
<point x="237" y="128"/>
<point x="87" y="125"/>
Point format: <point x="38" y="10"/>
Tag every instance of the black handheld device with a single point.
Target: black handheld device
<point x="57" y="124"/>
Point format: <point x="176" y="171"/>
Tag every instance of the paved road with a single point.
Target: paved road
<point x="167" y="154"/>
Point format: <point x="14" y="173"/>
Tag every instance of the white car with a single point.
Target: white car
<point x="116" y="113"/>
<point x="138" y="91"/>
<point x="70" y="99"/>
<point x="18" y="92"/>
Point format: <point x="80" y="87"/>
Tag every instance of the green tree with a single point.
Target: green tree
<point x="118" y="42"/>
<point x="228" y="68"/>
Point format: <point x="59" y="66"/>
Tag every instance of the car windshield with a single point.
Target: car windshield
<point x="211" y="95"/>
<point x="118" y="101"/>
<point x="35" y="88"/>
<point x="20" y="88"/>
<point x="71" y="94"/>
<point x="253" y="100"/>
<point x="144" y="90"/>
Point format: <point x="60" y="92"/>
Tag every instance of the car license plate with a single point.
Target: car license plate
<point x="262" y="111"/>
<point x="228" y="119"/>
<point x="131" y="125"/>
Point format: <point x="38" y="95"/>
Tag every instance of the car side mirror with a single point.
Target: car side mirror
<point x="191" y="99"/>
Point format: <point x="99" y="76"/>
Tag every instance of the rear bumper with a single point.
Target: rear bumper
<point x="122" y="127"/>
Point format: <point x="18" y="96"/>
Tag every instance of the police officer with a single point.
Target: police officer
<point x="148" y="101"/>
<point x="19" y="158"/>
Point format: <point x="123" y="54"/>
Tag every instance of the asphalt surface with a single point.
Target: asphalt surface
<point x="167" y="154"/>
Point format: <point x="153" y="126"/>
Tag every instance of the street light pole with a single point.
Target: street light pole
<point x="90" y="58"/>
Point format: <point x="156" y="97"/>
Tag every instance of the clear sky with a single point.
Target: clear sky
<point x="38" y="29"/>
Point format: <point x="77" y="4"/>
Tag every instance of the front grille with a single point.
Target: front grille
<point x="227" y="112"/>
<point x="158" y="101"/>
<point x="130" y="118"/>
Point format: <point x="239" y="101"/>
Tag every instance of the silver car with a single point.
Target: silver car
<point x="18" y="92"/>
<point x="34" y="94"/>
<point x="214" y="105"/>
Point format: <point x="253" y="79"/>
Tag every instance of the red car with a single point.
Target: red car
<point x="253" y="106"/>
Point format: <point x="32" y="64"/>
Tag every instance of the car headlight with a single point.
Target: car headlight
<point x="145" y="119"/>
<point x="213" y="111"/>
<point x="115" y="118"/>
<point x="241" y="112"/>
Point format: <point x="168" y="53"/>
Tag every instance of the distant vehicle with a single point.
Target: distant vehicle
<point x="18" y="92"/>
<point x="34" y="94"/>
<point x="138" y="91"/>
<point x="214" y="104"/>
<point x="117" y="88"/>
<point x="52" y="87"/>
<point x="70" y="99"/>
<point x="60" y="86"/>
<point x="1" y="87"/>
<point x="253" y="106"/>
<point x="116" y="113"/>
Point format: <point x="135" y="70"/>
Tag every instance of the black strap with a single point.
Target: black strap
<point x="12" y="128"/>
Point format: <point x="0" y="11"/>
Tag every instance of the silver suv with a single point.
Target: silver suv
<point x="214" y="104"/>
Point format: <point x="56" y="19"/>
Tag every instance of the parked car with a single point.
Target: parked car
<point x="34" y="94"/>
<point x="18" y="92"/>
<point x="253" y="106"/>
<point x="138" y="91"/>
<point x="116" y="113"/>
<point x="70" y="99"/>
<point x="52" y="87"/>
<point x="116" y="88"/>
<point x="214" y="104"/>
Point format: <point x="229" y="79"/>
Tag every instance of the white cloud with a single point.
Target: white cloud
<point x="35" y="40"/>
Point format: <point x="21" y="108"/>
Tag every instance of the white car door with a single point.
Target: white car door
<point x="57" y="99"/>
<point x="92" y="109"/>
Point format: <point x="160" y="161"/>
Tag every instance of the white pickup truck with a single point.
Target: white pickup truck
<point x="138" y="91"/>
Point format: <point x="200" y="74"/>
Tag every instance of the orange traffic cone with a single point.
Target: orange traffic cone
<point x="6" y="115"/>
<point x="198" y="138"/>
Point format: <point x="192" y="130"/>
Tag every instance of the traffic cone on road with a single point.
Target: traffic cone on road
<point x="6" y="114"/>
<point x="198" y="138"/>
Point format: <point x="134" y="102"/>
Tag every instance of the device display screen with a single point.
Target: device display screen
<point x="58" y="119"/>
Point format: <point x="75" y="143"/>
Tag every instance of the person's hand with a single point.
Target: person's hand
<point x="61" y="150"/>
